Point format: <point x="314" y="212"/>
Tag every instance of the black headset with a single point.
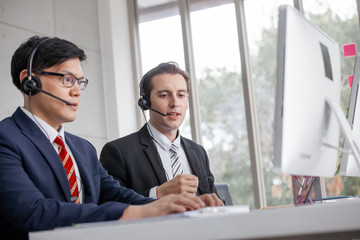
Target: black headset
<point x="144" y="100"/>
<point x="30" y="85"/>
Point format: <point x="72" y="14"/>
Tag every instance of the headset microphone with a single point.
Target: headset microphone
<point x="144" y="104"/>
<point x="51" y="95"/>
<point x="164" y="115"/>
<point x="30" y="86"/>
<point x="144" y="100"/>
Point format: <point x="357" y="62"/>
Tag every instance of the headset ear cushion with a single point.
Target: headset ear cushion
<point x="144" y="102"/>
<point x="30" y="85"/>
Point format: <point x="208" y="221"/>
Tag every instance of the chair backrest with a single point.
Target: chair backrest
<point x="224" y="193"/>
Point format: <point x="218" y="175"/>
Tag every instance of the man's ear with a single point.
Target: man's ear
<point x="22" y="75"/>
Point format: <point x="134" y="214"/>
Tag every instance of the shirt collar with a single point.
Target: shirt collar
<point x="161" y="139"/>
<point x="48" y="130"/>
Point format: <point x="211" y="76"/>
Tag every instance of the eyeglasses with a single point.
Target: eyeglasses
<point x="68" y="80"/>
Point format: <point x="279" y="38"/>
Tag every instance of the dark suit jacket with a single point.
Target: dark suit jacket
<point x="135" y="162"/>
<point x="34" y="190"/>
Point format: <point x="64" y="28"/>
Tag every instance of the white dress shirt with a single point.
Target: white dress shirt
<point x="163" y="145"/>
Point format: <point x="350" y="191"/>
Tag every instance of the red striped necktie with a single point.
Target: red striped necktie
<point x="69" y="169"/>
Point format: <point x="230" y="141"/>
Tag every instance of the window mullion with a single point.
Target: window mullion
<point x="250" y="109"/>
<point x="195" y="121"/>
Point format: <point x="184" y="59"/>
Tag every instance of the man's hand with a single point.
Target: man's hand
<point x="172" y="203"/>
<point x="183" y="183"/>
<point x="211" y="200"/>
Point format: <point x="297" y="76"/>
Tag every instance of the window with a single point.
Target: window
<point x="161" y="40"/>
<point x="262" y="25"/>
<point x="222" y="110"/>
<point x="217" y="65"/>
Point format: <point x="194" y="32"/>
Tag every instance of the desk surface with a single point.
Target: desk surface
<point x="332" y="220"/>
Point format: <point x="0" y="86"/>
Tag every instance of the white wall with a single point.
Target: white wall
<point x="101" y="29"/>
<point x="118" y="78"/>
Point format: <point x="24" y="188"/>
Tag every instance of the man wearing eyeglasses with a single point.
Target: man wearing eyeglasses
<point x="49" y="177"/>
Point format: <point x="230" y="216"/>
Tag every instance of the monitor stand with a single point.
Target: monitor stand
<point x="353" y="167"/>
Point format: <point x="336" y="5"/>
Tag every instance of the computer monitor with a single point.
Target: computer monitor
<point x="307" y="88"/>
<point x="348" y="166"/>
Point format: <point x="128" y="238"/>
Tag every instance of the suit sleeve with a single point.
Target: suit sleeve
<point x="113" y="161"/>
<point x="134" y="164"/>
<point x="209" y="175"/>
<point x="30" y="199"/>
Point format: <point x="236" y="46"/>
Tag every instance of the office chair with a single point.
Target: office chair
<point x="224" y="193"/>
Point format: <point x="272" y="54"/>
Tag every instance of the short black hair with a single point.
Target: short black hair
<point x="168" y="67"/>
<point x="51" y="52"/>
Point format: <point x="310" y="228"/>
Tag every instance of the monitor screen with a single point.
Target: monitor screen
<point x="348" y="165"/>
<point x="308" y="72"/>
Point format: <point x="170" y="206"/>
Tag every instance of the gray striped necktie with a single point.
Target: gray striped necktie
<point x="175" y="161"/>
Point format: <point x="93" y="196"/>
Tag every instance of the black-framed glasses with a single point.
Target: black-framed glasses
<point x="68" y="80"/>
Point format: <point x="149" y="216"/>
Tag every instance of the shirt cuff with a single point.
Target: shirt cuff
<point x="152" y="192"/>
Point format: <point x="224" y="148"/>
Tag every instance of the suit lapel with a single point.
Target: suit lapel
<point x="42" y="143"/>
<point x="194" y="165"/>
<point x="152" y="154"/>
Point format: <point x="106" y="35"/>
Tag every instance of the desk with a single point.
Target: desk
<point x="332" y="220"/>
